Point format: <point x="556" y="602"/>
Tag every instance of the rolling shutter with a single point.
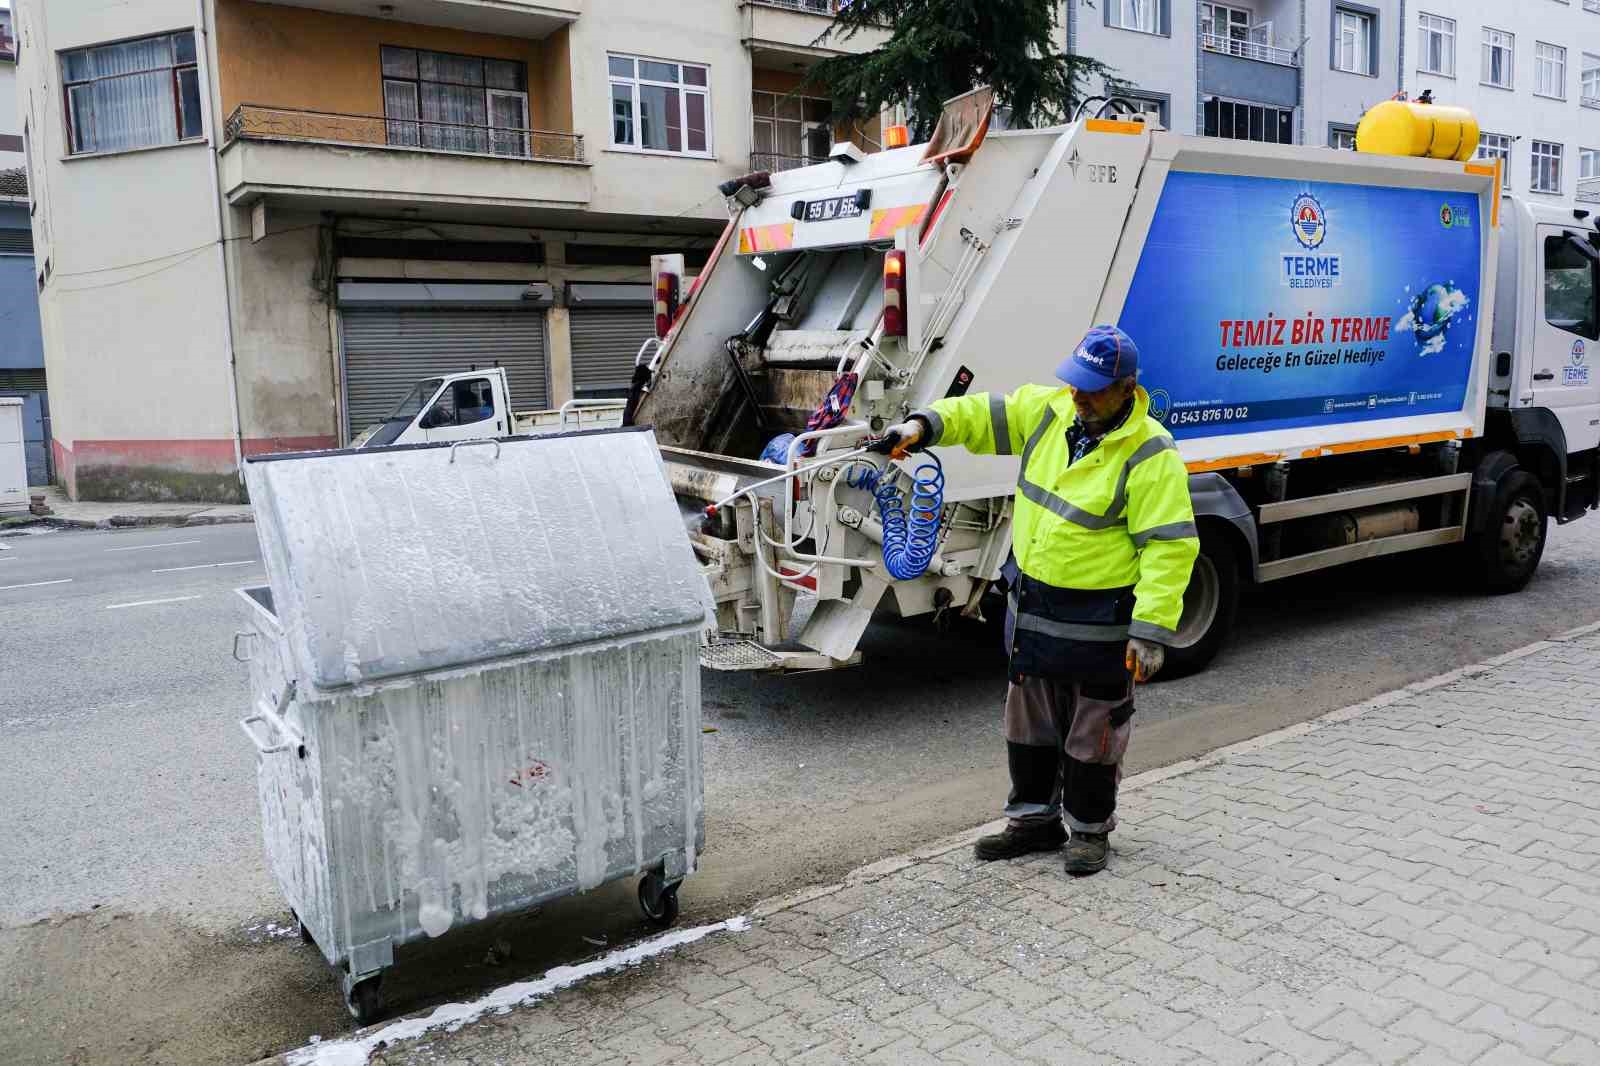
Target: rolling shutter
<point x="605" y="341"/>
<point x="388" y="350"/>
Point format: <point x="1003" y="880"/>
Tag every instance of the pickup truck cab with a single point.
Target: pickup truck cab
<point x="474" y="405"/>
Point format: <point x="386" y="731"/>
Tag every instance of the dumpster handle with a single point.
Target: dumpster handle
<point x="236" y="638"/>
<point x="466" y="443"/>
<point x="273" y="718"/>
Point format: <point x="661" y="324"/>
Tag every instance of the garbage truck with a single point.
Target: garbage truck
<point x="1357" y="355"/>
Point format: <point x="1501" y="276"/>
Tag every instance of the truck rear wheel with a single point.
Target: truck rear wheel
<point x="1511" y="543"/>
<point x="1210" y="604"/>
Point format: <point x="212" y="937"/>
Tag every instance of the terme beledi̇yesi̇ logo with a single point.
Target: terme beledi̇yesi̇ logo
<point x="1309" y="269"/>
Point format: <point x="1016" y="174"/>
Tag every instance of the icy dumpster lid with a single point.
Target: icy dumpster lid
<point x="404" y="560"/>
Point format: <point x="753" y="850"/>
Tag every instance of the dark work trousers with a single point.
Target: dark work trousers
<point x="1065" y="741"/>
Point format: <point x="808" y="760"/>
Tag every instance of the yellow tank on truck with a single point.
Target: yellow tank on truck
<point x="1433" y="131"/>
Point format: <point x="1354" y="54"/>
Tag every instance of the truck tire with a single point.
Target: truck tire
<point x="1210" y="605"/>
<point x="1508" y="548"/>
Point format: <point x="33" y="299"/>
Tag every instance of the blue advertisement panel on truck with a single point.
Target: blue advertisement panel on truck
<point x="1267" y="303"/>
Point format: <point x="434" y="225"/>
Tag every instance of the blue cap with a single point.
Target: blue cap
<point x="1104" y="355"/>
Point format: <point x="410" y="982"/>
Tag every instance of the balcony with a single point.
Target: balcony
<point x="1244" y="49"/>
<point x="322" y="161"/>
<point x="535" y="19"/>
<point x="1589" y="190"/>
<point x="782" y="34"/>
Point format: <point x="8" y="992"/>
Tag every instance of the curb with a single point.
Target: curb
<point x="123" y="521"/>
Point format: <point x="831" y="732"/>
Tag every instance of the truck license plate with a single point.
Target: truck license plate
<point x="832" y="208"/>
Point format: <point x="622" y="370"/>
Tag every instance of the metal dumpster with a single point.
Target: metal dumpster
<point x="476" y="685"/>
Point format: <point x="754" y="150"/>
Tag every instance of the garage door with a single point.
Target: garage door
<point x="605" y="341"/>
<point x="388" y="350"/>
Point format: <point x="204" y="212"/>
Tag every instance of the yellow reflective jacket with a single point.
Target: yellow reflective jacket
<point x="1119" y="517"/>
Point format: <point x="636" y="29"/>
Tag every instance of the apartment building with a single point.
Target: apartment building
<point x="1530" y="71"/>
<point x="21" y="347"/>
<point x="1280" y="71"/>
<point x="258" y="224"/>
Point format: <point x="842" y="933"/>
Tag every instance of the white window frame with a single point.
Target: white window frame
<point x="1118" y="10"/>
<point x="1588" y="163"/>
<point x="1493" y="146"/>
<point x="1500" y="40"/>
<point x="807" y="126"/>
<point x="1358" y="43"/>
<point x="1551" y="151"/>
<point x="1551" y="58"/>
<point x="1341" y="137"/>
<point x="1589" y="79"/>
<point x="684" y="89"/>
<point x="1229" y="22"/>
<point x="1429" y="28"/>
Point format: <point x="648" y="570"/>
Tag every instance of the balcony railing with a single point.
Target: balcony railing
<point x="1589" y="190"/>
<point x="772" y="162"/>
<point x="1589" y="101"/>
<point x="810" y="7"/>
<point x="255" y="122"/>
<point x="1238" y="46"/>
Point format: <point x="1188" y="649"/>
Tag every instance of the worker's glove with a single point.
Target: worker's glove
<point x="899" y="439"/>
<point x="1144" y="659"/>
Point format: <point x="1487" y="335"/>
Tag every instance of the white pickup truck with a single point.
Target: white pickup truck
<point x="475" y="404"/>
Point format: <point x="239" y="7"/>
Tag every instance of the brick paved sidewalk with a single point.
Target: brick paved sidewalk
<point x="1413" y="880"/>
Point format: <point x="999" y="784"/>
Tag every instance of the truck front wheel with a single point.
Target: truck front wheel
<point x="1509" y="546"/>
<point x="1209" y="606"/>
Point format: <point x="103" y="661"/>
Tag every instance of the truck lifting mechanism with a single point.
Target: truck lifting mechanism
<point x="1357" y="354"/>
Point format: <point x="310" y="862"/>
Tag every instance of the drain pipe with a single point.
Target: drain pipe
<point x="202" y="53"/>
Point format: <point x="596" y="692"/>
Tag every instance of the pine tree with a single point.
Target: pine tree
<point x="943" y="48"/>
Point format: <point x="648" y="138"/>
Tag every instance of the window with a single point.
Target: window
<point x="1497" y="146"/>
<point x="789" y="131"/>
<point x="1352" y="46"/>
<point x="1569" y="289"/>
<point x="1546" y="167"/>
<point x="136" y="94"/>
<point x="1588" y="163"/>
<point x="1341" y="137"/>
<point x="1219" y="20"/>
<point x="1146" y="16"/>
<point x="1436" y="45"/>
<point x="1249" y="122"/>
<point x="660" y="107"/>
<point x="1550" y="70"/>
<point x="1589" y="81"/>
<point x="464" y="403"/>
<point x="1497" y="54"/>
<point x="1156" y="107"/>
<point x="455" y="103"/>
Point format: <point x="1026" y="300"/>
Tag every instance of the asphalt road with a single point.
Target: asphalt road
<point x="132" y="886"/>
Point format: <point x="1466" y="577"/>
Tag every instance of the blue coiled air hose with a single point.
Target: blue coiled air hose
<point x="909" y="539"/>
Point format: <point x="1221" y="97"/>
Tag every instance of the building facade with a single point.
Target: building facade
<point x="257" y="227"/>
<point x="21" y="345"/>
<point x="1530" y="71"/>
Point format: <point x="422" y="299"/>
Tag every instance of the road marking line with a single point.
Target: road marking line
<point x="146" y="603"/>
<point x="36" y="584"/>
<point x="146" y="547"/>
<point x="204" y="566"/>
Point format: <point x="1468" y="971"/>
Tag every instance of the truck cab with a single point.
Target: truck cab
<point x="451" y="407"/>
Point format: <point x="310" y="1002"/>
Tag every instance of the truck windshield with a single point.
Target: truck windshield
<point x="420" y="394"/>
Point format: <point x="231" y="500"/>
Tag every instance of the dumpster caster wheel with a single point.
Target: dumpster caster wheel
<point x="365" y="1001"/>
<point x="305" y="934"/>
<point x="658" y="900"/>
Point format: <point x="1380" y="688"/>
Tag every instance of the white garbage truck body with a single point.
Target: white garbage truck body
<point x="1356" y="354"/>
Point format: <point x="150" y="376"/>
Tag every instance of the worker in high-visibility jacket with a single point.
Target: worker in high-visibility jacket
<point x="1103" y="541"/>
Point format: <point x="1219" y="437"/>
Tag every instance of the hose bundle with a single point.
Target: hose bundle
<point x="910" y="539"/>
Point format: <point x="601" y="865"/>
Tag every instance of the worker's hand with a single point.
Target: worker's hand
<point x="1144" y="659"/>
<point x="899" y="439"/>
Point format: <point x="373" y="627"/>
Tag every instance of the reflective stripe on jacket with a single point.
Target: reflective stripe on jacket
<point x="1119" y="517"/>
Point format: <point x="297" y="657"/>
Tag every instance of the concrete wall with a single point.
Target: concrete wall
<point x="1335" y="96"/>
<point x="1153" y="63"/>
<point x="1518" y="111"/>
<point x="130" y="310"/>
<point x="10" y="117"/>
<point x="297" y="58"/>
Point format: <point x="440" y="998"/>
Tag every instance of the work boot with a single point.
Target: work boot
<point x="1087" y="853"/>
<point x="1016" y="840"/>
